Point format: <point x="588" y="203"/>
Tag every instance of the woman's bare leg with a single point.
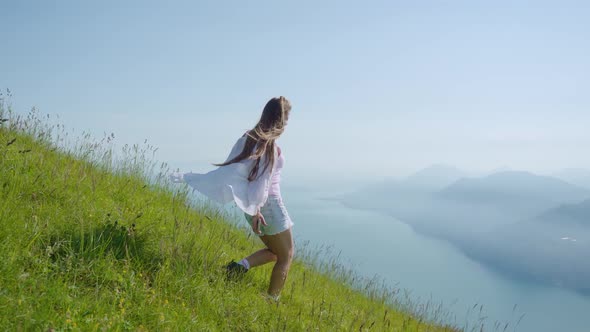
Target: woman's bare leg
<point x="262" y="256"/>
<point x="282" y="246"/>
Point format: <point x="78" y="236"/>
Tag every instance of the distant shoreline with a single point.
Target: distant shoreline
<point x="465" y="250"/>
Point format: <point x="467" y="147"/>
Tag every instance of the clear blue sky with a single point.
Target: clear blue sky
<point x="379" y="88"/>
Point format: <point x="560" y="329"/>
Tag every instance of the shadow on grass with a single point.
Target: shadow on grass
<point x="92" y="252"/>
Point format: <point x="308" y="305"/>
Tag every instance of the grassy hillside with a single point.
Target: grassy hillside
<point x="90" y="243"/>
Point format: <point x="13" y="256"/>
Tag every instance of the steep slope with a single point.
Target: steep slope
<point x="91" y="246"/>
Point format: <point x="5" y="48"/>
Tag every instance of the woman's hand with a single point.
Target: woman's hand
<point x="257" y="219"/>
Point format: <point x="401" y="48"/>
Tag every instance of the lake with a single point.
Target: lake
<point x="431" y="269"/>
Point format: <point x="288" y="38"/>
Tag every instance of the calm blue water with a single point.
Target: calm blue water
<point x="431" y="269"/>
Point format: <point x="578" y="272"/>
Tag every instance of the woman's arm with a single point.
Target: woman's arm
<point x="178" y="177"/>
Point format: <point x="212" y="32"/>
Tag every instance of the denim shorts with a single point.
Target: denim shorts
<point x="276" y="217"/>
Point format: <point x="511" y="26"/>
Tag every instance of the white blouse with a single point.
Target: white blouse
<point x="230" y="183"/>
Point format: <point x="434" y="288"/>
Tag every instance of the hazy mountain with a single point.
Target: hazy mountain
<point x="568" y="215"/>
<point x="552" y="247"/>
<point x="523" y="224"/>
<point x="545" y="231"/>
<point x="403" y="195"/>
<point x="513" y="189"/>
<point x="499" y="169"/>
<point x="427" y="180"/>
<point x="434" y="177"/>
<point x="550" y="253"/>
<point x="577" y="176"/>
<point x="526" y="225"/>
<point x="468" y="205"/>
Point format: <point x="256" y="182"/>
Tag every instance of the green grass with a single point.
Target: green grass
<point x="90" y="241"/>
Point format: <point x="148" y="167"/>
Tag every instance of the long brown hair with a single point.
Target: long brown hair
<point x="262" y="137"/>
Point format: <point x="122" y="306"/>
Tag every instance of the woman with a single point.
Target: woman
<point x="250" y="177"/>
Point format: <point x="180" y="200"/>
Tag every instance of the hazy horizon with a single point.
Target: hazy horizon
<point x="379" y="89"/>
